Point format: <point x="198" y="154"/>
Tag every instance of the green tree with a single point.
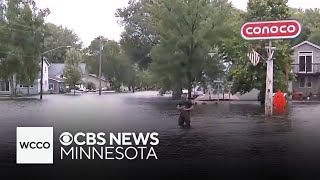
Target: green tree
<point x="72" y="71"/>
<point x="56" y="36"/>
<point x="140" y="34"/>
<point x="188" y="30"/>
<point x="21" y="27"/>
<point x="310" y="20"/>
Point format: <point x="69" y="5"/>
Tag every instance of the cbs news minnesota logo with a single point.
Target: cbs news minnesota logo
<point x="34" y="145"/>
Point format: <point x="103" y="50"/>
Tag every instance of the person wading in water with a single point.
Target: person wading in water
<point x="185" y="107"/>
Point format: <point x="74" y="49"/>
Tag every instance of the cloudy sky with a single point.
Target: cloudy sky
<point x="89" y="19"/>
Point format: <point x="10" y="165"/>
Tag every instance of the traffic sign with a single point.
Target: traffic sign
<point x="283" y="29"/>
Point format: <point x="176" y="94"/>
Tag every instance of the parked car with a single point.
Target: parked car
<point x="91" y="90"/>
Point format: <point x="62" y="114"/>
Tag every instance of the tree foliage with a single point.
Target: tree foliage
<point x="140" y="34"/>
<point x="310" y="20"/>
<point x="56" y="36"/>
<point x="72" y="71"/>
<point x="189" y="31"/>
<point x="21" y="26"/>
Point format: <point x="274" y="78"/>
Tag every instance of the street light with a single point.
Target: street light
<point x="46" y="52"/>
<point x="42" y="58"/>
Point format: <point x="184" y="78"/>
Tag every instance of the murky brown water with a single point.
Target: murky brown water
<point x="230" y="140"/>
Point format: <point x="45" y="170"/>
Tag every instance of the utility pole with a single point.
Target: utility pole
<point x="269" y="81"/>
<point x="100" y="51"/>
<point x="41" y="76"/>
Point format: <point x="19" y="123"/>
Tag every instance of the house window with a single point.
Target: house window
<point x="4" y="85"/>
<point x="61" y="76"/>
<point x="51" y="86"/>
<point x="45" y="69"/>
<point x="305" y="82"/>
<point x="45" y="82"/>
<point x="305" y="62"/>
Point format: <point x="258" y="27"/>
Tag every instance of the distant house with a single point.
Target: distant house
<point x="5" y="87"/>
<point x="56" y="76"/>
<point x="306" y="68"/>
<point x="95" y="80"/>
<point x="57" y="79"/>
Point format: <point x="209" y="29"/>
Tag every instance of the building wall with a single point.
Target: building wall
<point x="35" y="89"/>
<point x="32" y="90"/>
<point x="314" y="89"/>
<point x="315" y="79"/>
<point x="57" y="86"/>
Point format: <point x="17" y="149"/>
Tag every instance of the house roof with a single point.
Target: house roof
<point x="57" y="69"/>
<point x="56" y="79"/>
<point x="95" y="76"/>
<point x="306" y="42"/>
<point x="45" y="60"/>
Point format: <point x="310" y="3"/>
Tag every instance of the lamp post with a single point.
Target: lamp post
<point x="42" y="59"/>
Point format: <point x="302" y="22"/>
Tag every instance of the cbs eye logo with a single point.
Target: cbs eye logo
<point x="66" y="138"/>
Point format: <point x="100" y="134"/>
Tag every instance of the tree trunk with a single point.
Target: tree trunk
<point x="189" y="84"/>
<point x="177" y="92"/>
<point x="15" y="89"/>
<point x="11" y="87"/>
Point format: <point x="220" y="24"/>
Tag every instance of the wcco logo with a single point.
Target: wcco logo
<point x="34" y="145"/>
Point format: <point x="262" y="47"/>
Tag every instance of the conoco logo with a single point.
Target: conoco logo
<point x="271" y="30"/>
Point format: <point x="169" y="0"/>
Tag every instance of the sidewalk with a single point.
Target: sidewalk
<point x="215" y="97"/>
<point x="8" y="97"/>
<point x="304" y="101"/>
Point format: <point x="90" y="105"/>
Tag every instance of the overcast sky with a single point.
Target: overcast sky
<point x="89" y="19"/>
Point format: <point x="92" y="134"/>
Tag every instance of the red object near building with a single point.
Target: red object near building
<point x="279" y="102"/>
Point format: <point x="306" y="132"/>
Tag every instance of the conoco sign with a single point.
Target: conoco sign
<point x="283" y="29"/>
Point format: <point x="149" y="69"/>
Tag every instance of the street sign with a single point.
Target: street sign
<point x="283" y="29"/>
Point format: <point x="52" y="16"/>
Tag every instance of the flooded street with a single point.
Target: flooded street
<point x="231" y="140"/>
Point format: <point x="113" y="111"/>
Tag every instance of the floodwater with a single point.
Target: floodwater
<point x="227" y="140"/>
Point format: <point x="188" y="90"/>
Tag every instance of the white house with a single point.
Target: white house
<point x="56" y="77"/>
<point x="5" y="87"/>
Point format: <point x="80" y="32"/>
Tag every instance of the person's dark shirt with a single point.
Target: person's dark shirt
<point x="186" y="104"/>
